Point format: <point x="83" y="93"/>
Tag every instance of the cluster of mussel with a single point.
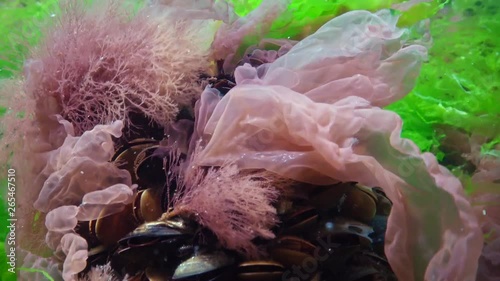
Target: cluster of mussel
<point x="325" y="232"/>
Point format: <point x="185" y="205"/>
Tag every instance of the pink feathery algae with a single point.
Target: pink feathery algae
<point x="102" y="64"/>
<point x="236" y="206"/>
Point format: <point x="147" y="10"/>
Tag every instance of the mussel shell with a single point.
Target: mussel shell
<point x="186" y="251"/>
<point x="368" y="266"/>
<point x="132" y="260"/>
<point x="125" y="157"/>
<point x="224" y="86"/>
<point x="140" y="126"/>
<point x="151" y="244"/>
<point x="183" y="224"/>
<point x="292" y="251"/>
<point x="300" y="220"/>
<point x="206" y="266"/>
<point x="158" y="273"/>
<point x="86" y="229"/>
<point x="150" y="233"/>
<point x="295" y="243"/>
<point x="135" y="142"/>
<point x="361" y="273"/>
<point x="147" y="205"/>
<point x="384" y="205"/>
<point x="110" y="229"/>
<point x="149" y="169"/>
<point x="260" y="271"/>
<point x="348" y="199"/>
<point x="342" y="231"/>
<point x="359" y="203"/>
<point x="329" y="197"/>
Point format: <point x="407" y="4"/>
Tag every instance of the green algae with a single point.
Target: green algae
<point x="303" y="17"/>
<point x="460" y="84"/>
<point x="20" y="28"/>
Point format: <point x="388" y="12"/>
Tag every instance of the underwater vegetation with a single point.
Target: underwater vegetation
<point x="20" y="21"/>
<point x="212" y="133"/>
<point x="458" y="89"/>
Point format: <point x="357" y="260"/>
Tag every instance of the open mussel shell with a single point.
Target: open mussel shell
<point x="149" y="168"/>
<point x="206" y="266"/>
<point x="125" y="156"/>
<point x="260" y="271"/>
<point x="292" y="251"/>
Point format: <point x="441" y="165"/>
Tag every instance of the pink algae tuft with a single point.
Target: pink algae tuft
<point x="100" y="65"/>
<point x="236" y="206"/>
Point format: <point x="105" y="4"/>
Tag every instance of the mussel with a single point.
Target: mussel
<point x="108" y="229"/>
<point x="334" y="233"/>
<point x="329" y="197"/>
<point x="149" y="168"/>
<point x="347" y="199"/>
<point x="384" y="205"/>
<point x="125" y="156"/>
<point x="366" y="266"/>
<point x="213" y="266"/>
<point x="343" y="231"/>
<point x="154" y="244"/>
<point x="147" y="205"/>
<point x="260" y="271"/>
<point x="300" y="220"/>
<point x="292" y="251"/>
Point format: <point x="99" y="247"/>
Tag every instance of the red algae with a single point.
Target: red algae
<point x="236" y="206"/>
<point x="100" y="65"/>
